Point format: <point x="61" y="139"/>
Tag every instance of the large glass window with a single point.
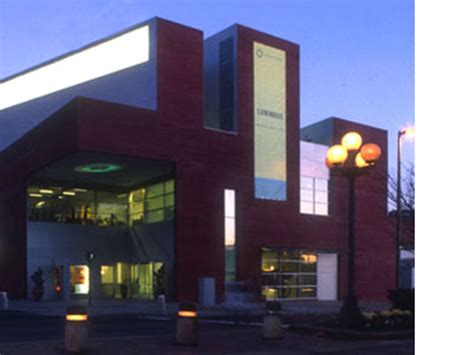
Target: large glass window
<point x="289" y="273"/>
<point x="159" y="202"/>
<point x="76" y="205"/>
<point x="314" y="179"/>
<point x="142" y="280"/>
<point x="154" y="203"/>
<point x="313" y="196"/>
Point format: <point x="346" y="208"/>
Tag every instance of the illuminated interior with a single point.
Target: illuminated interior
<point x="153" y="203"/>
<point x="79" y="281"/>
<point x="289" y="273"/>
<point x="133" y="280"/>
<point x="118" y="191"/>
<point x="124" y="51"/>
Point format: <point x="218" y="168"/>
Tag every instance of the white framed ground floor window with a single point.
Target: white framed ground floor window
<point x="298" y="274"/>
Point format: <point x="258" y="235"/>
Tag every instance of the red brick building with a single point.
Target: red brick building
<point x="156" y="167"/>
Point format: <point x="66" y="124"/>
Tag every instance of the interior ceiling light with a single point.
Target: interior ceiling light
<point x="40" y="204"/>
<point x="35" y="195"/>
<point x="69" y="193"/>
<point x="79" y="190"/>
<point x="97" y="168"/>
<point x="46" y="191"/>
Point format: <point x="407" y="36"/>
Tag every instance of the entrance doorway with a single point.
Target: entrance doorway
<point x="135" y="281"/>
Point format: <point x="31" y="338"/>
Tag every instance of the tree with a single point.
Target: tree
<point x="407" y="196"/>
<point x="407" y="205"/>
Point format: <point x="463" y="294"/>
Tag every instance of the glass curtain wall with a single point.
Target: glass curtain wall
<point x="137" y="281"/>
<point x="154" y="203"/>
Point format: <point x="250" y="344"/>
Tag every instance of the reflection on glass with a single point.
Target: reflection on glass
<point x="139" y="281"/>
<point x="306" y="183"/>
<point x="321" y="197"/>
<point x="306" y="207"/>
<point x="321" y="209"/>
<point x="229" y="231"/>
<point x="229" y="234"/>
<point x="229" y="201"/>
<point x="307" y="292"/>
<point x="321" y="185"/>
<point x="288" y="273"/>
<point x="314" y="177"/>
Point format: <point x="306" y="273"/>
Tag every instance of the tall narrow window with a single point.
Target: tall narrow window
<point x="229" y="234"/>
<point x="226" y="85"/>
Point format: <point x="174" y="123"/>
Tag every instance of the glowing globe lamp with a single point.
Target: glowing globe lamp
<point x="337" y="155"/>
<point x="370" y="152"/>
<point x="409" y="132"/>
<point x="360" y="162"/>
<point x="352" y="141"/>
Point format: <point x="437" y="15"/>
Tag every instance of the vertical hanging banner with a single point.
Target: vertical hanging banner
<point x="269" y="86"/>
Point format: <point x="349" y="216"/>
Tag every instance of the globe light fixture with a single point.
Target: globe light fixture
<point x="408" y="132"/>
<point x="352" y="141"/>
<point x="360" y="162"/>
<point x="352" y="159"/>
<point x="337" y="155"/>
<point x="370" y="152"/>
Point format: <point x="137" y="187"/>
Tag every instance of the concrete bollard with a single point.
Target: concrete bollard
<point x="272" y="328"/>
<point x="3" y="301"/>
<point x="186" y="327"/>
<point x="161" y="304"/>
<point x="76" y="329"/>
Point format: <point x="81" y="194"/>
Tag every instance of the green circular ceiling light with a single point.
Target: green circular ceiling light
<point x="97" y="168"/>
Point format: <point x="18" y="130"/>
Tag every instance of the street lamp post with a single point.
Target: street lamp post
<point x="352" y="159"/>
<point x="409" y="132"/>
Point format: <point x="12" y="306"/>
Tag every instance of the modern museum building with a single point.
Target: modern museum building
<point x="156" y="161"/>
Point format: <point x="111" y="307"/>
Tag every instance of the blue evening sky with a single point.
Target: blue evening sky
<point x="357" y="56"/>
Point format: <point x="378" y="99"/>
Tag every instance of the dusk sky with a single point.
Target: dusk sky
<point x="357" y="56"/>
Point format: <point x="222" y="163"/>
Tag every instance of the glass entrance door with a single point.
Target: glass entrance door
<point x="136" y="281"/>
<point x="107" y="280"/>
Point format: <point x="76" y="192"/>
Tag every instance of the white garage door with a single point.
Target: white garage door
<point x="327" y="277"/>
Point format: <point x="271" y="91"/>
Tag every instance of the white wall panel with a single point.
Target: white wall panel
<point x="327" y="277"/>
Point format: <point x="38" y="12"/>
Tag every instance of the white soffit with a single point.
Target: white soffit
<point x="127" y="50"/>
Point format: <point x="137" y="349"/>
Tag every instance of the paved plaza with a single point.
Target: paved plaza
<point x="118" y="327"/>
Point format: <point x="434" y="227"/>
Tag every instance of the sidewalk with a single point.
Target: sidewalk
<point x="130" y="307"/>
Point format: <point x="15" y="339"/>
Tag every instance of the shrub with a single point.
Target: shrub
<point x="403" y="298"/>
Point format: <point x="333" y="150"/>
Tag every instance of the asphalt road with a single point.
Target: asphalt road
<point x="18" y="327"/>
<point x="22" y="334"/>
